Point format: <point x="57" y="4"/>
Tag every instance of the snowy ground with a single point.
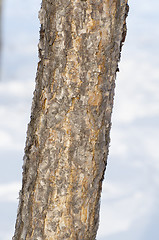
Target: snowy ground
<point x="129" y="205"/>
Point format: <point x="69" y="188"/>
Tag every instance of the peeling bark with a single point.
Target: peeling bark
<point x="68" y="134"/>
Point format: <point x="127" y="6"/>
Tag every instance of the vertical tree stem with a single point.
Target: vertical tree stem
<point x="68" y="135"/>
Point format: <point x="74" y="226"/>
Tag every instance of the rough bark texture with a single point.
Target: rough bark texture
<point x="68" y="135"/>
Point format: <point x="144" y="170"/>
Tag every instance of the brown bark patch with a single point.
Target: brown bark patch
<point x="95" y="97"/>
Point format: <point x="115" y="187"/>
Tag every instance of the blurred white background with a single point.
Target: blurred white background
<point x="130" y="197"/>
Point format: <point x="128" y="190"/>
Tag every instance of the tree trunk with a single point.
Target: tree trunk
<point x="68" y="135"/>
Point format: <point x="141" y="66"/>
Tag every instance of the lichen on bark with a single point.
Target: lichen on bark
<point x="68" y="134"/>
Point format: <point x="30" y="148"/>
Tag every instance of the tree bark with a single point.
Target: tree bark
<point x="68" y="134"/>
